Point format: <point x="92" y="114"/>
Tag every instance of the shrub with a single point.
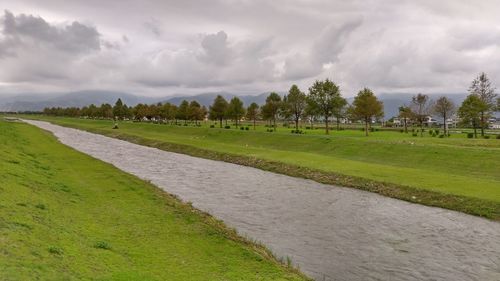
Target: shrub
<point x="241" y="128"/>
<point x="486" y="137"/>
<point x="470" y="135"/>
<point x="498" y="137"/>
<point x="441" y="136"/>
<point x="431" y="132"/>
<point x="55" y="250"/>
<point x="297" y="132"/>
<point x="415" y="134"/>
<point x="102" y="245"/>
<point x="401" y="131"/>
<point x="247" y="128"/>
<point x="227" y="127"/>
<point x="41" y="206"/>
<point x="308" y="128"/>
<point x="437" y="131"/>
<point x="212" y="126"/>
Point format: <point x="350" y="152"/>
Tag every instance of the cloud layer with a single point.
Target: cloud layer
<point x="169" y="47"/>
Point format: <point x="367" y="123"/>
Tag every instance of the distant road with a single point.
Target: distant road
<point x="331" y="233"/>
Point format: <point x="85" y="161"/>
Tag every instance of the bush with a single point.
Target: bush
<point x="401" y="131"/>
<point x="486" y="137"/>
<point x="470" y="135"/>
<point x="55" y="250"/>
<point x="102" y="245"/>
<point x="431" y="132"/>
<point x="247" y="128"/>
<point x="434" y="134"/>
<point x="441" y="136"/>
<point x="241" y="128"/>
<point x="270" y="130"/>
<point x="227" y="127"/>
<point x="415" y="134"/>
<point x="498" y="137"/>
<point x="437" y="131"/>
<point x="212" y="126"/>
<point x="308" y="128"/>
<point x="297" y="132"/>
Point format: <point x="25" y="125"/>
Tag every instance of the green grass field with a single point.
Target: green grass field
<point x="67" y="216"/>
<point x="457" y="166"/>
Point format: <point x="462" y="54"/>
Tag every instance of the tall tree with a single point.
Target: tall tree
<point x="405" y="114"/>
<point x="195" y="112"/>
<point x="236" y="110"/>
<point x="470" y="111"/>
<point x="295" y="103"/>
<point x="270" y="109"/>
<point x="366" y="106"/>
<point x="325" y="97"/>
<point x="217" y="111"/>
<point x="183" y="111"/>
<point x="445" y="108"/>
<point x="481" y="86"/>
<point x="253" y="113"/>
<point x="420" y="106"/>
<point x="119" y="110"/>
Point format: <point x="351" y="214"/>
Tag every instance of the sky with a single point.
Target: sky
<point x="162" y="48"/>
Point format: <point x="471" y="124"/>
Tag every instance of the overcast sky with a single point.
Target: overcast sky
<point x="160" y="48"/>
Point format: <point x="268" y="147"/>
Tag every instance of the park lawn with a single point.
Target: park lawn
<point x="455" y="166"/>
<point x="67" y="216"/>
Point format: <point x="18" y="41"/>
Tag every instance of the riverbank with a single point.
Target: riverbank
<point x="456" y="174"/>
<point x="65" y="215"/>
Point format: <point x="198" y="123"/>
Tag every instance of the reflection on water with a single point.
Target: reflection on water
<point x="331" y="233"/>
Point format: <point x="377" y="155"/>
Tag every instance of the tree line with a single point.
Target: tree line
<point x="322" y="102"/>
<point x="475" y="111"/>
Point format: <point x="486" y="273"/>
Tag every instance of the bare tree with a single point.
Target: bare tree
<point x="481" y="86"/>
<point x="420" y="106"/>
<point x="445" y="108"/>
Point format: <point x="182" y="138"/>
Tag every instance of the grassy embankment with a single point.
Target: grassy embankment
<point x="456" y="173"/>
<point x="67" y="216"/>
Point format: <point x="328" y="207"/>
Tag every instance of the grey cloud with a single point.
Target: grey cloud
<point x="73" y="38"/>
<point x="215" y="48"/>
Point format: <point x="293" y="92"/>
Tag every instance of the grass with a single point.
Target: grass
<point x="455" y="173"/>
<point x="67" y="216"/>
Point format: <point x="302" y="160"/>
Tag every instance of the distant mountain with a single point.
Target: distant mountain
<point x="72" y="99"/>
<point x="207" y="99"/>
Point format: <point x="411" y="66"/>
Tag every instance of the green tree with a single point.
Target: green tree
<point x="271" y="108"/>
<point x="183" y="111"/>
<point x="295" y="103"/>
<point x="119" y="110"/>
<point x="217" y="111"/>
<point x="445" y="108"/>
<point x="420" y="106"/>
<point x="106" y="111"/>
<point x="236" y="110"/>
<point x="405" y="114"/>
<point x="470" y="111"/>
<point x="325" y="98"/>
<point x="366" y="106"/>
<point x="481" y="86"/>
<point x="195" y="112"/>
<point x="253" y="113"/>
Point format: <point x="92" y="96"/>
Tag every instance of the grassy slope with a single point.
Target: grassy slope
<point x="455" y="166"/>
<point x="57" y="204"/>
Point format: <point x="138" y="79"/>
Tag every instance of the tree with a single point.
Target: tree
<point x="183" y="111"/>
<point x="271" y="108"/>
<point x="325" y="97"/>
<point x="445" y="108"/>
<point x="217" y="111"/>
<point x="106" y="111"/>
<point x="406" y="114"/>
<point x="470" y="111"/>
<point x="481" y="86"/>
<point x="119" y="110"/>
<point x="366" y="106"/>
<point x="340" y="111"/>
<point x="420" y="106"/>
<point x="236" y="110"/>
<point x="195" y="112"/>
<point x="295" y="103"/>
<point x="253" y="113"/>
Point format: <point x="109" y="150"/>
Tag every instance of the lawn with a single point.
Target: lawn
<point x="456" y="166"/>
<point x="67" y="216"/>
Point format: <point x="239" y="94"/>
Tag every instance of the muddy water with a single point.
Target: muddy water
<point x="332" y="233"/>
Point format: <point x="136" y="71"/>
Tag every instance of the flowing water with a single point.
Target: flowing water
<point x="330" y="232"/>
